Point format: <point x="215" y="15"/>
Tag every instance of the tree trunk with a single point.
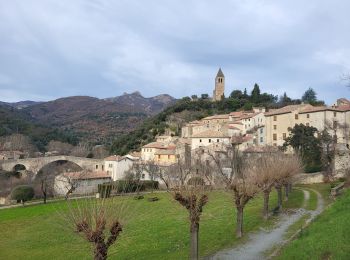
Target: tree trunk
<point x="266" y="204"/>
<point x="279" y="197"/>
<point x="286" y="189"/>
<point x="100" y="251"/>
<point x="239" y="227"/>
<point x="45" y="198"/>
<point x="194" y="241"/>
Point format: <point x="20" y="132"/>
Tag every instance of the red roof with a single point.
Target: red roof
<point x="87" y="175"/>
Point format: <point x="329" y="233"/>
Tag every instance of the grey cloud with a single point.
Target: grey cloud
<point x="104" y="48"/>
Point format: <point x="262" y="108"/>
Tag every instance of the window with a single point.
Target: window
<point x="217" y="140"/>
<point x="209" y="140"/>
<point x="142" y="176"/>
<point x="274" y="118"/>
<point x="96" y="166"/>
<point x="261" y="139"/>
<point x="168" y="156"/>
<point x="296" y="116"/>
<point x="261" y="130"/>
<point x="335" y="124"/>
<point x="335" y="114"/>
<point x="275" y="137"/>
<point x="200" y="140"/>
<point x="274" y="127"/>
<point x="284" y="136"/>
<point x="307" y="115"/>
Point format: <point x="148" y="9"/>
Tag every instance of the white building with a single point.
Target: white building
<point x="84" y="182"/>
<point x="207" y="138"/>
<point x="116" y="166"/>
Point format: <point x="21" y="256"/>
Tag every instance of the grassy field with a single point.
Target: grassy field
<point x="327" y="237"/>
<point x="154" y="230"/>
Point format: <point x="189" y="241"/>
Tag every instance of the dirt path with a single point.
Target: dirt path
<point x="265" y="240"/>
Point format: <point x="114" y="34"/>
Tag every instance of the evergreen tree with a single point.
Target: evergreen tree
<point x="285" y="99"/>
<point x="309" y="96"/>
<point x="236" y="94"/>
<point x="245" y="95"/>
<point x="304" y="141"/>
<point x="255" y="96"/>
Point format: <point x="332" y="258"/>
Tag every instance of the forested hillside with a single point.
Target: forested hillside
<point x="14" y="121"/>
<point x="193" y="108"/>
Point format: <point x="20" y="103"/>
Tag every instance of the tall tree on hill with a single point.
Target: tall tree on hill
<point x="284" y="100"/>
<point x="245" y="94"/>
<point x="255" y="96"/>
<point x="309" y="96"/>
<point x="237" y="94"/>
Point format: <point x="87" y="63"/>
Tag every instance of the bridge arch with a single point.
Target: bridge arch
<point x="19" y="167"/>
<point x="35" y="164"/>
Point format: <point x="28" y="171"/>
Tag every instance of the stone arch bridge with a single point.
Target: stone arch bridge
<point x="36" y="164"/>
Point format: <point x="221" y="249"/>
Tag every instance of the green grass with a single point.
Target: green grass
<point x="312" y="203"/>
<point x="154" y="230"/>
<point x="295" y="200"/>
<point x="327" y="237"/>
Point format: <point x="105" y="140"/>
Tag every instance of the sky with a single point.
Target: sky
<point x="103" y="48"/>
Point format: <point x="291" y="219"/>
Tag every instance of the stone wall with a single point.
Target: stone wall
<point x="341" y="162"/>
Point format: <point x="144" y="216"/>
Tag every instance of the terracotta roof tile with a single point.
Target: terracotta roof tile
<point x="210" y="133"/>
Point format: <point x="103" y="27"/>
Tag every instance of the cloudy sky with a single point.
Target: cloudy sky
<point x="51" y="49"/>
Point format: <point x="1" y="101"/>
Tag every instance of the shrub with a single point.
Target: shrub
<point x="196" y="181"/>
<point x="153" y="199"/>
<point x="22" y="193"/>
<point x="105" y="190"/>
<point x="148" y="184"/>
<point x="127" y="186"/>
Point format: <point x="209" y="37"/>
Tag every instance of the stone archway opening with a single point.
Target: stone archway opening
<point x="45" y="179"/>
<point x="19" y="167"/>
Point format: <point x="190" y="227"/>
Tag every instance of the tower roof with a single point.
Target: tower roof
<point x="220" y="74"/>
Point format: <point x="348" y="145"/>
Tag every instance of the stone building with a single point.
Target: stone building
<point x="219" y="90"/>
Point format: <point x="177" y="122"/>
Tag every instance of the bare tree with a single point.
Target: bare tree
<point x="80" y="150"/>
<point x="289" y="166"/>
<point x="191" y="195"/>
<point x="60" y="147"/>
<point x="234" y="169"/>
<point x="17" y="142"/>
<point x="98" y="221"/>
<point x="266" y="170"/>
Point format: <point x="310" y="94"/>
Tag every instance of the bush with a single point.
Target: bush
<point x="105" y="190"/>
<point x="196" y="181"/>
<point x="153" y="199"/>
<point x="150" y="185"/>
<point x="127" y="186"/>
<point x="313" y="168"/>
<point x="22" y="193"/>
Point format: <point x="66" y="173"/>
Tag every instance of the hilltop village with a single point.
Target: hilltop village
<point x="252" y="130"/>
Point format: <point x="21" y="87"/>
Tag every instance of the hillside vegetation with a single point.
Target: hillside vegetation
<point x="14" y="121"/>
<point x="188" y="109"/>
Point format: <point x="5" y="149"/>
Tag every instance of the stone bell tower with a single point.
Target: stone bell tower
<point x="219" y="90"/>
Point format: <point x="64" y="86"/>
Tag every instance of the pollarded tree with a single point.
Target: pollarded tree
<point x="98" y="221"/>
<point x="266" y="173"/>
<point x="234" y="168"/>
<point x="289" y="166"/>
<point x="191" y="195"/>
